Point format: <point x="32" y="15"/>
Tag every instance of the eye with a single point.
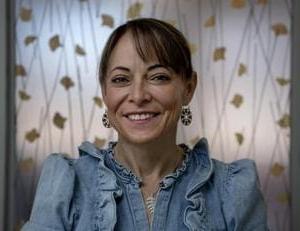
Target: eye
<point x="160" y="78"/>
<point x="120" y="80"/>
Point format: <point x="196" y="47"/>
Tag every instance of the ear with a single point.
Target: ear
<point x="190" y="87"/>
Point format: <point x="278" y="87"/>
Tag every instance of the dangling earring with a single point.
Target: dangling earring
<point x="186" y="115"/>
<point x="105" y="120"/>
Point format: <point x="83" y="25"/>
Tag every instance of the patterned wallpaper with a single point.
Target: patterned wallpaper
<point x="241" y="52"/>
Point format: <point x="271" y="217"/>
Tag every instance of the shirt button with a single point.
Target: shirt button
<point x="96" y="227"/>
<point x="76" y="216"/>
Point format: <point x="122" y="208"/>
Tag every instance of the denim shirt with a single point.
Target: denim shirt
<point x="94" y="192"/>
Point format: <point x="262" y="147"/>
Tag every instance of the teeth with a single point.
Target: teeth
<point x="140" y="116"/>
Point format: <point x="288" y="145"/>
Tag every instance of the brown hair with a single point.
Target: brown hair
<point x="153" y="39"/>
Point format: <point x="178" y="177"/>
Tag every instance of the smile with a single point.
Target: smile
<point x="141" y="116"/>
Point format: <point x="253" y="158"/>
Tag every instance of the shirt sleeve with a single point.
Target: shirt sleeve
<point x="52" y="208"/>
<point x="243" y="203"/>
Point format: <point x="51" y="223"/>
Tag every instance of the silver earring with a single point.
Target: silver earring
<point x="186" y="116"/>
<point x="105" y="120"/>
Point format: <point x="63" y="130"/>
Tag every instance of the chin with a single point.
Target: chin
<point x="144" y="137"/>
<point x="140" y="138"/>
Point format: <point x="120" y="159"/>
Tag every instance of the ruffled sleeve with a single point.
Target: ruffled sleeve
<point x="243" y="204"/>
<point x="53" y="208"/>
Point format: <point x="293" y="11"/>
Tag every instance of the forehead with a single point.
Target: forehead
<point x="124" y="47"/>
<point x="126" y="51"/>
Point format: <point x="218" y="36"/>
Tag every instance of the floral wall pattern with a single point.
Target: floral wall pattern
<point x="241" y="52"/>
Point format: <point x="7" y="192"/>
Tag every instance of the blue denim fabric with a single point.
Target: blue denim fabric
<point x="94" y="192"/>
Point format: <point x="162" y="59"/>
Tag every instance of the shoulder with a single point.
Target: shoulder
<point x="240" y="173"/>
<point x="63" y="182"/>
<point x="57" y="175"/>
<point x="239" y="190"/>
<point x="85" y="169"/>
<point x="53" y="195"/>
<point x="57" y="168"/>
<point x="236" y="185"/>
<point x="236" y="181"/>
<point x="89" y="158"/>
<point x="56" y="160"/>
<point x="61" y="167"/>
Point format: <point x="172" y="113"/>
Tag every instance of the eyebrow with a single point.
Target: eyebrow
<point x="156" y="66"/>
<point x="120" y="68"/>
<point x="150" y="68"/>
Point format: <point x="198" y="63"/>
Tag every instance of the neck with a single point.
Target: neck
<point x="149" y="161"/>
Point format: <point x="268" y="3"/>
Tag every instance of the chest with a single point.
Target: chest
<point x="172" y="211"/>
<point x="121" y="207"/>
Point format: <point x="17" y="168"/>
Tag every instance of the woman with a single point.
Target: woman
<point x="145" y="181"/>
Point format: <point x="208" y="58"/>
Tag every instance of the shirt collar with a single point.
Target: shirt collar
<point x="200" y="152"/>
<point x="87" y="148"/>
<point x="204" y="167"/>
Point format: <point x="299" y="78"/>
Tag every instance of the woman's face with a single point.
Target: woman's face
<point x="143" y="100"/>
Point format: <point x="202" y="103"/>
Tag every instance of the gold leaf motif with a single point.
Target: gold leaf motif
<point x="59" y="120"/>
<point x="134" y="11"/>
<point x="25" y="14"/>
<point x="54" y="42"/>
<point x="277" y="169"/>
<point x="26" y="165"/>
<point x="219" y="53"/>
<point x="279" y="29"/>
<point x="29" y="39"/>
<point x="24" y="96"/>
<point x="210" y="22"/>
<point x="20" y="70"/>
<point x="79" y="50"/>
<point x="238" y="3"/>
<point x="99" y="143"/>
<point x="284" y="121"/>
<point x="67" y="82"/>
<point x="98" y="101"/>
<point x="282" y="81"/>
<point x="239" y="138"/>
<point x="107" y="20"/>
<point x="193" y="48"/>
<point x="242" y="69"/>
<point x="237" y="100"/>
<point x="283" y="198"/>
<point x="262" y="2"/>
<point x="32" y="135"/>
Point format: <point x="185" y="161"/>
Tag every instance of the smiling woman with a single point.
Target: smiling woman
<point x="145" y="180"/>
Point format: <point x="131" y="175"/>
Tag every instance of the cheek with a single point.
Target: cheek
<point x="112" y="99"/>
<point x="171" y="99"/>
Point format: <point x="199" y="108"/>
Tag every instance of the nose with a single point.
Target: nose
<point x="139" y="93"/>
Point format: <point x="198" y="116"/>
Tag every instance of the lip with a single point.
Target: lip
<point x="126" y="114"/>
